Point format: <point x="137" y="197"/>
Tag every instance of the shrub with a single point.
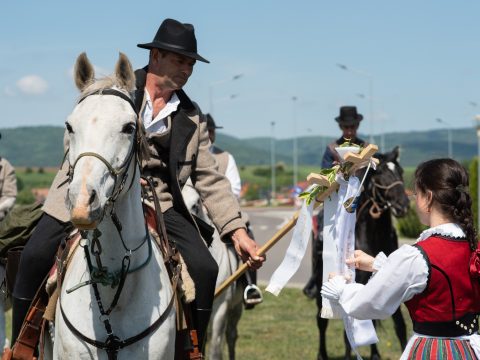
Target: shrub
<point x="262" y="171"/>
<point x="410" y="226"/>
<point x="25" y="197"/>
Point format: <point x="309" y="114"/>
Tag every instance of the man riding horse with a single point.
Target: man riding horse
<point x="178" y="147"/>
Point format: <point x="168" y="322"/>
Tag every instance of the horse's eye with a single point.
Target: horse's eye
<point x="69" y="128"/>
<point x="128" y="128"/>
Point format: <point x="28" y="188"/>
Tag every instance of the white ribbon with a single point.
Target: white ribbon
<point x="295" y="252"/>
<point x="339" y="245"/>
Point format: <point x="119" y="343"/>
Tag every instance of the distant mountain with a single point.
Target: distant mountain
<point x="42" y="146"/>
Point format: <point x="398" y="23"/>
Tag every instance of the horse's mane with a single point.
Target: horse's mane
<point x="106" y="82"/>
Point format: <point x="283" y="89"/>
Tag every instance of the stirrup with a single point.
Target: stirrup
<point x="252" y="295"/>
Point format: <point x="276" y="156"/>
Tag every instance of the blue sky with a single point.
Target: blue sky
<point x="423" y="58"/>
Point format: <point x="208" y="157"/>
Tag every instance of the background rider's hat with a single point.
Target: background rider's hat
<point x="174" y="36"/>
<point x="211" y="123"/>
<point x="349" y="116"/>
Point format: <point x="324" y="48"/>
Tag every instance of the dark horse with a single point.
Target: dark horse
<point x="383" y="195"/>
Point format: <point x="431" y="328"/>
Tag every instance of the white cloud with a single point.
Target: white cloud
<point x="32" y="85"/>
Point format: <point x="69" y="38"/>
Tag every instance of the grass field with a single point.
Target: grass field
<point x="284" y="327"/>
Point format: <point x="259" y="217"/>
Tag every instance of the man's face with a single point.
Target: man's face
<point x="349" y="131"/>
<point x="173" y="68"/>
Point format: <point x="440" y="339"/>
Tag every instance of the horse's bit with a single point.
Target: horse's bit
<point x="379" y="203"/>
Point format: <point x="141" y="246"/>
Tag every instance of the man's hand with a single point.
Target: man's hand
<point x="247" y="248"/>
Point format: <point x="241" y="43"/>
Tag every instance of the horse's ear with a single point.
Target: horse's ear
<point x="84" y="73"/>
<point x="396" y="153"/>
<point x="124" y="73"/>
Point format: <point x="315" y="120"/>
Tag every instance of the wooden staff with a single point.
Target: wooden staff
<point x="242" y="268"/>
<point x="356" y="159"/>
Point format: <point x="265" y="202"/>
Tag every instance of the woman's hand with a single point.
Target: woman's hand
<point x="361" y="261"/>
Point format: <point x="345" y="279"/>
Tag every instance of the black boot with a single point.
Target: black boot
<point x="310" y="290"/>
<point x="19" y="312"/>
<point x="201" y="320"/>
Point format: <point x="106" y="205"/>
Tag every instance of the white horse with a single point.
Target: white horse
<point x="105" y="186"/>
<point x="228" y="306"/>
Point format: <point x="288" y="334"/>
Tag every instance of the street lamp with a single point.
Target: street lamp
<point x="272" y="159"/>
<point x="295" y="152"/>
<point x="210" y="88"/>
<point x="381" y="119"/>
<point x="449" y="136"/>
<point x="370" y="92"/>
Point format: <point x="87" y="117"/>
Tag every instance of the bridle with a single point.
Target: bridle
<point x="377" y="198"/>
<point x="121" y="171"/>
<point x="100" y="274"/>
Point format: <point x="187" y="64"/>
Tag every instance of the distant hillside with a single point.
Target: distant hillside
<point x="42" y="146"/>
<point x="33" y="146"/>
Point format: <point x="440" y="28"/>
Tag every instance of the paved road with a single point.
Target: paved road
<point x="265" y="223"/>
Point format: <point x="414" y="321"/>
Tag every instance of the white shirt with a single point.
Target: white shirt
<point x="158" y="124"/>
<point x="233" y="176"/>
<point x="401" y="276"/>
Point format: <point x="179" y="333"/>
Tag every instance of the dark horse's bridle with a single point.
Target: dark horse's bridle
<point x="113" y="344"/>
<point x="376" y="196"/>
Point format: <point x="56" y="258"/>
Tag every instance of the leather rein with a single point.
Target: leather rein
<point x="378" y="201"/>
<point x="113" y="343"/>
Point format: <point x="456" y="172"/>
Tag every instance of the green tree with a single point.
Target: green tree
<point x="473" y="170"/>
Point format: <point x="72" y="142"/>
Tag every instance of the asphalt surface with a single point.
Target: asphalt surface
<point x="265" y="223"/>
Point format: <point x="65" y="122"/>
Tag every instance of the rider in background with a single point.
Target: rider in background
<point x="438" y="278"/>
<point x="349" y="122"/>
<point x="8" y="187"/>
<point x="178" y="147"/>
<point x="8" y="195"/>
<point x="228" y="167"/>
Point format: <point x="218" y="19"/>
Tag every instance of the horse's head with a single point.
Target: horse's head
<point x="101" y="132"/>
<point x="386" y="187"/>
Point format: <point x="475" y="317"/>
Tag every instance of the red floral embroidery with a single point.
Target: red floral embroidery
<point x="475" y="264"/>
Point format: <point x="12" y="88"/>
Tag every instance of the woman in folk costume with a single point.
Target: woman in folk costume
<point x="438" y="278"/>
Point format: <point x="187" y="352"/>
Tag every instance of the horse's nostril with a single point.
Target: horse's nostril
<point x="93" y="195"/>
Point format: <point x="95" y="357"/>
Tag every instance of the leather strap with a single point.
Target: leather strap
<point x="27" y="340"/>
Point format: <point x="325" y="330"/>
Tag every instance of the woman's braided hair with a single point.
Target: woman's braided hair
<point x="448" y="182"/>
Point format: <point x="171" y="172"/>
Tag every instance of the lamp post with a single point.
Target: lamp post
<point x="381" y="119"/>
<point x="210" y="88"/>
<point x="272" y="159"/>
<point x="370" y="93"/>
<point x="295" y="153"/>
<point x="449" y="136"/>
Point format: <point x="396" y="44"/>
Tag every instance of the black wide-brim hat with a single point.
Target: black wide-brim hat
<point x="176" y="37"/>
<point x="211" y="123"/>
<point x="349" y="116"/>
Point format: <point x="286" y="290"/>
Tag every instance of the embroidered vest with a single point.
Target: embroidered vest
<point x="449" y="302"/>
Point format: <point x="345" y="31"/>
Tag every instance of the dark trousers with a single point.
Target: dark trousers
<point x="38" y="256"/>
<point x="202" y="267"/>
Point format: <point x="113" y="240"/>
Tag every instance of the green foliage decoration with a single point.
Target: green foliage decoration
<point x="313" y="191"/>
